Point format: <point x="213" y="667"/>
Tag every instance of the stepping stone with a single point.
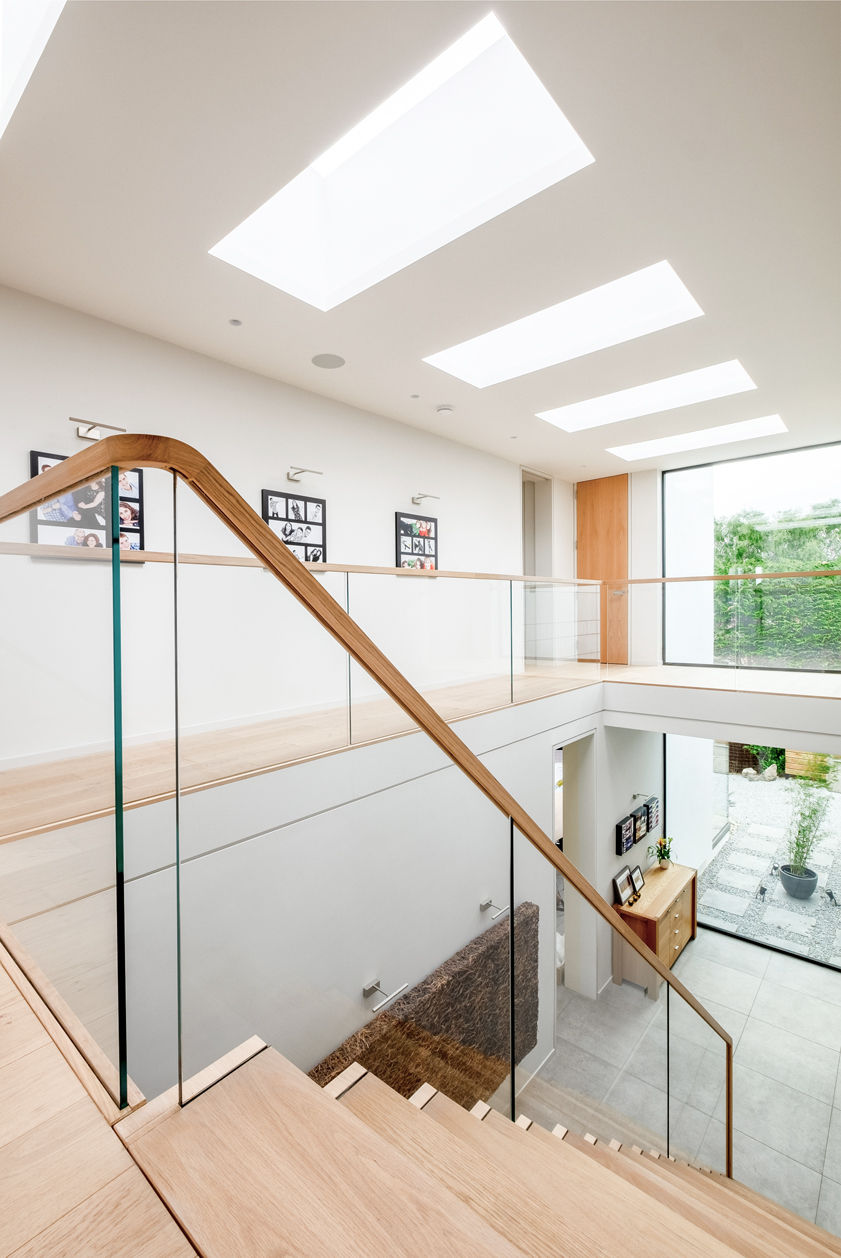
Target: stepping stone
<point x="725" y="902"/>
<point x="735" y="878"/>
<point x="776" y="831"/>
<point x="745" y="860"/>
<point x="785" y="919"/>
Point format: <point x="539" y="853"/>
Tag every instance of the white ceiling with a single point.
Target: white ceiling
<point x="149" y="130"/>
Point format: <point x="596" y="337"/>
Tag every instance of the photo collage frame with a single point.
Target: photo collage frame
<point x="639" y="822"/>
<point x="416" y="541"/>
<point x="300" y="522"/>
<point x="80" y="518"/>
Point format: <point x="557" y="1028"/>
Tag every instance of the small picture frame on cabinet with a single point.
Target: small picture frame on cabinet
<point x="637" y="879"/>
<point x="623" y="887"/>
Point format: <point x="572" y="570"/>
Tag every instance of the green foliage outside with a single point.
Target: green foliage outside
<point x="791" y="623"/>
<point x="768" y="756"/>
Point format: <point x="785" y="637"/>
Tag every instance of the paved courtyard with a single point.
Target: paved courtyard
<point x="740" y="892"/>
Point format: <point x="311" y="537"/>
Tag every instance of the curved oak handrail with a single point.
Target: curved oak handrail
<point x="166" y="453"/>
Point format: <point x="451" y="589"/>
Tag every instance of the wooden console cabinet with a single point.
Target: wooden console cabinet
<point x="664" y="917"/>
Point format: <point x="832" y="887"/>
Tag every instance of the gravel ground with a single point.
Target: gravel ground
<point x="730" y="890"/>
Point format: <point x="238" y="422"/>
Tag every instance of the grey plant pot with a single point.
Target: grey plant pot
<point x="800" y="886"/>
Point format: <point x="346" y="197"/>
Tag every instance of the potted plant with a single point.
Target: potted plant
<point x="809" y="803"/>
<point x="661" y="851"/>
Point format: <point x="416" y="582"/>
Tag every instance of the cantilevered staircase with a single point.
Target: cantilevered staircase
<point x="252" y="1158"/>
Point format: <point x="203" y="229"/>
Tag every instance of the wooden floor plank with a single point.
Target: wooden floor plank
<point x="265" y="1164"/>
<point x="33" y="1089"/>
<point x="39" y="797"/>
<point x="53" y="1167"/>
<point x="125" y="1219"/>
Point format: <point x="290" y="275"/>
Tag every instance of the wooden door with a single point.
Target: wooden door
<point x="602" y="523"/>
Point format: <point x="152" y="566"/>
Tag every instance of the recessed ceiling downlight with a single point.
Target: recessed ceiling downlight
<point x="471" y="135"/>
<point x="330" y="361"/>
<point x="702" y="385"/>
<point x="621" y="310"/>
<point x="766" y="426"/>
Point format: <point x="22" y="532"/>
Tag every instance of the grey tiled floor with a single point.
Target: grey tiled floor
<point x="784" y="1014"/>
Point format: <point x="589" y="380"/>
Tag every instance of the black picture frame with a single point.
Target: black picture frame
<point x="637" y="879"/>
<point x="623" y="887"/>
<point x="415" y="541"/>
<point x="624" y="835"/>
<point x="640" y="816"/>
<point x="74" y="518"/>
<point x="299" y="521"/>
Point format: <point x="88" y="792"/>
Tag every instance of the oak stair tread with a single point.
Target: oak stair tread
<point x="264" y="1163"/>
<point x="746" y="1227"/>
<point x="523" y="1171"/>
<point x="766" y="1207"/>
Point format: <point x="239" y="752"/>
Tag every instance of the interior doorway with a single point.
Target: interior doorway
<point x="537" y="524"/>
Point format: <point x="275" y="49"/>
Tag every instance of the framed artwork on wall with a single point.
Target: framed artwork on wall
<point x="623" y="886"/>
<point x="416" y="541"/>
<point x="300" y="522"/>
<point x="80" y="518"/>
<point x="624" y="835"/>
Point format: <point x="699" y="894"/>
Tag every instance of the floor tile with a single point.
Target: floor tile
<point x="710" y="1081"/>
<point x="832" y="1159"/>
<point x="796" y="1011"/>
<point x="815" y="980"/>
<point x="777" y="1116"/>
<point x="641" y="1103"/>
<point x="829" y="1206"/>
<point x="736" y="953"/>
<point x="687" y="1129"/>
<point x="765" y="1170"/>
<point x="790" y="1059"/>
<point x="579" y="1071"/>
<point x="704" y="978"/>
<point x="648" y="1061"/>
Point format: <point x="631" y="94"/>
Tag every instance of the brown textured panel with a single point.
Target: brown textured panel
<point x="452" y="1029"/>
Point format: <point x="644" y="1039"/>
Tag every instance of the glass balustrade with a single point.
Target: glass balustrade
<point x="199" y="866"/>
<point x="60" y="837"/>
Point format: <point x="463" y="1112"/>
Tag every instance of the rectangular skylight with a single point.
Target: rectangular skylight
<point x="744" y="431"/>
<point x="25" y="28"/>
<point x="650" y="399"/>
<point x="470" y="136"/>
<point x="621" y="310"/>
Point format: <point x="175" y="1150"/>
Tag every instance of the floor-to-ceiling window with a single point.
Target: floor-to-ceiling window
<point x="767" y="514"/>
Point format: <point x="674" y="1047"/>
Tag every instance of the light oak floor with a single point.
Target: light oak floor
<point x="69" y="1186"/>
<point x="43" y="796"/>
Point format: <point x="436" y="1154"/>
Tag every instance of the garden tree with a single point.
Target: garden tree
<point x="788" y="622"/>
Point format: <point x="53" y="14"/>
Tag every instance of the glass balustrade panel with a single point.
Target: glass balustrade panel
<point x="343" y="904"/>
<point x="599" y="1064"/>
<point x="557" y="637"/>
<point x="450" y="637"/>
<point x="698" y="1074"/>
<point x="58" y="827"/>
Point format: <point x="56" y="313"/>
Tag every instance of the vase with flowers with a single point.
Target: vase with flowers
<point x="661" y="851"/>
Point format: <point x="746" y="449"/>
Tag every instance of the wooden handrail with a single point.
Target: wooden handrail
<point x="721" y="576"/>
<point x="137" y="450"/>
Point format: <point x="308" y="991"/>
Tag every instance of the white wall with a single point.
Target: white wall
<point x="689" y="794"/>
<point x="239" y="627"/>
<point x="630" y="764"/>
<point x="300" y="886"/>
